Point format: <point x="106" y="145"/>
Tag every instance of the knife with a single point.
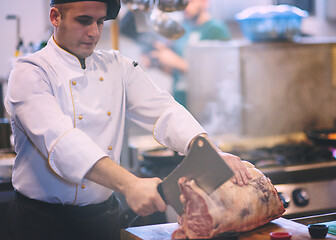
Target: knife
<point x="204" y="165"/>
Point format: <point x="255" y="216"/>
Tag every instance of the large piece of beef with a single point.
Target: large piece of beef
<point x="229" y="208"/>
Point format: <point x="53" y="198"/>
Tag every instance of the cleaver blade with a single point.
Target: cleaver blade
<point x="204" y="165"/>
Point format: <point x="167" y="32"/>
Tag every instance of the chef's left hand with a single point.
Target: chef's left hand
<point x="241" y="174"/>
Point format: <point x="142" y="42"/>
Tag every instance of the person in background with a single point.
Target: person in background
<point x="68" y="104"/>
<point x="199" y="26"/>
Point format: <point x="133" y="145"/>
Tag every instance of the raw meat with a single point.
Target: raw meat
<point x="229" y="208"/>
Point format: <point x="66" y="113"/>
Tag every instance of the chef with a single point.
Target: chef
<point x="68" y="105"/>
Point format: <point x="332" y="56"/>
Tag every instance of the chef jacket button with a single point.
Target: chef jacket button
<point x="101" y="79"/>
<point x="74" y="83"/>
<point x="108" y="113"/>
<point x="80" y="117"/>
<point x="110" y="148"/>
<point x="83" y="186"/>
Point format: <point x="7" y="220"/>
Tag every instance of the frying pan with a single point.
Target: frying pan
<point x="319" y="136"/>
<point x="162" y="157"/>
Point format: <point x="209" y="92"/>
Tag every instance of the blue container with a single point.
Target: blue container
<point x="271" y="23"/>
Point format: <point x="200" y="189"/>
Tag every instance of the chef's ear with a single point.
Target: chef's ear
<point x="55" y="16"/>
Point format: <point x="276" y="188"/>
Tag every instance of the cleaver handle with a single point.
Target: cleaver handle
<point x="127" y="217"/>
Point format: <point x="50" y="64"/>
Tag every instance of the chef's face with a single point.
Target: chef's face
<point x="78" y="26"/>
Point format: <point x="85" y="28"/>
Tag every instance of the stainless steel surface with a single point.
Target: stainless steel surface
<point x="245" y="88"/>
<point x="300" y="167"/>
<point x="309" y="172"/>
<point x="202" y="164"/>
<point x="305" y="189"/>
<point x="309" y="197"/>
<point x="316" y="219"/>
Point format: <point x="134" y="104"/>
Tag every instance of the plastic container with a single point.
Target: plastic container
<point x="271" y="23"/>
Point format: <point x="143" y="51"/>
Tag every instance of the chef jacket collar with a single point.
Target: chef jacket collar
<point x="70" y="59"/>
<point x="113" y="6"/>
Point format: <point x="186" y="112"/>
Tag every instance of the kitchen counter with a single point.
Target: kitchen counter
<point x="327" y="217"/>
<point x="164" y="231"/>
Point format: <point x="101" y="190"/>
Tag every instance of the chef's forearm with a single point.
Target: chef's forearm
<point x="111" y="175"/>
<point x="141" y="193"/>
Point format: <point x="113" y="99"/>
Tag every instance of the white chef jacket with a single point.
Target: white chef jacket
<point x="65" y="118"/>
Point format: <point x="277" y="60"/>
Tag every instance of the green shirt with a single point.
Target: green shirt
<point x="210" y="30"/>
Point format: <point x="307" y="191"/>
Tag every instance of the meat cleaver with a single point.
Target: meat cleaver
<point x="204" y="165"/>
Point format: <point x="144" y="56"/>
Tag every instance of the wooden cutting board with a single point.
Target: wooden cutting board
<point x="164" y="231"/>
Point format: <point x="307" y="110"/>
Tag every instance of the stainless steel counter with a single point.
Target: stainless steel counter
<point x="316" y="219"/>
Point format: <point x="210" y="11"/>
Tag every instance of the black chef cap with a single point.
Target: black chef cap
<point x="113" y="6"/>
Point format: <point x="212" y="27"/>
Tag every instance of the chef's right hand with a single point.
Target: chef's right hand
<point x="143" y="198"/>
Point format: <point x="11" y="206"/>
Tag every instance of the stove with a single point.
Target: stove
<point x="303" y="173"/>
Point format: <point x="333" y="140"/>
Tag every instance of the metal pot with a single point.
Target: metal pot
<point x="139" y="5"/>
<point x="172" y="5"/>
<point x="163" y="5"/>
<point x="165" y="25"/>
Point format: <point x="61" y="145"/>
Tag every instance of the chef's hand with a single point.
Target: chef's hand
<point x="141" y="193"/>
<point x="143" y="198"/>
<point x="241" y="174"/>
